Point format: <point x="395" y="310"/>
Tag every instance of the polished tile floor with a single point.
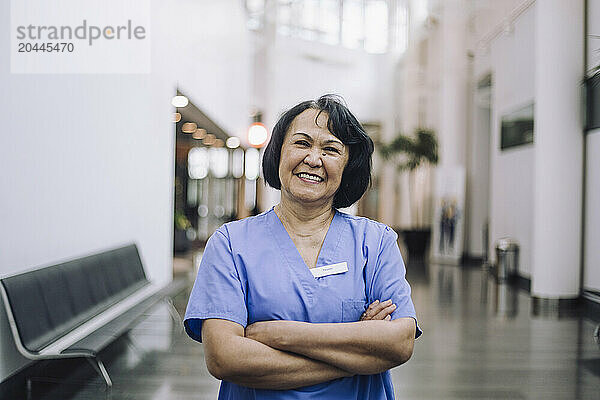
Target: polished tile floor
<point x="480" y="341"/>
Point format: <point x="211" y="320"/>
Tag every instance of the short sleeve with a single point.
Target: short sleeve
<point x="387" y="279"/>
<point x="218" y="291"/>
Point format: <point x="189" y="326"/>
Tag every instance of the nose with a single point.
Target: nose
<point x="313" y="158"/>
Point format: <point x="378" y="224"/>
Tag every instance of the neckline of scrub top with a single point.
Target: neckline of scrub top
<point x="327" y="253"/>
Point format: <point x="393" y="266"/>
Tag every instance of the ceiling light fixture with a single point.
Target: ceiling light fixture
<point x="189" y="127"/>
<point x="257" y="134"/>
<point x="233" y="142"/>
<point x="209" y="140"/>
<point x="179" y="101"/>
<point x="199" y="134"/>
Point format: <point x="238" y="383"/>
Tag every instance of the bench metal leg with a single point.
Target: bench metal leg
<point x="96" y="364"/>
<point x="131" y="343"/>
<point x="174" y="313"/>
<point x="99" y="367"/>
<point x="29" y="384"/>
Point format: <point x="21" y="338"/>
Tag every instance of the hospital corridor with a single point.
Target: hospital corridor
<point x="300" y="199"/>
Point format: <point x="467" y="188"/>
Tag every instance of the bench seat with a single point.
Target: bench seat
<point x="109" y="324"/>
<point x="77" y="308"/>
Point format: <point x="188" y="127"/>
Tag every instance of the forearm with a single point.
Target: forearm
<point x="364" y="347"/>
<point x="250" y="363"/>
<point x="260" y="366"/>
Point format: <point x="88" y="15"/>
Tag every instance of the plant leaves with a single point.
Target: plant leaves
<point x="422" y="148"/>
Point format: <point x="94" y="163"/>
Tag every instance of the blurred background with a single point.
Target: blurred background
<point x="486" y="119"/>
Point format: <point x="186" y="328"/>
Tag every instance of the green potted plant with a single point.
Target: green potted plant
<point x="181" y="243"/>
<point x="410" y="152"/>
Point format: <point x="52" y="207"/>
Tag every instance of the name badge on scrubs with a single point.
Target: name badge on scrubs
<point x="332" y="269"/>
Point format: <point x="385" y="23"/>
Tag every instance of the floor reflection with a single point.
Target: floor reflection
<point x="481" y="340"/>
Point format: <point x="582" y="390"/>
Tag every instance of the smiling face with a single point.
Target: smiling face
<point x="312" y="160"/>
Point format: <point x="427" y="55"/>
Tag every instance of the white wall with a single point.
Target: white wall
<point x="87" y="165"/>
<point x="511" y="171"/>
<point x="591" y="274"/>
<point x="87" y="160"/>
<point x="303" y="70"/>
<point x="591" y="258"/>
<point x="212" y="55"/>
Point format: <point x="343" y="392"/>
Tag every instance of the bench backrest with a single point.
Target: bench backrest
<point x="48" y="303"/>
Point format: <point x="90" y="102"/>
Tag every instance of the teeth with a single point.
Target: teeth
<point x="310" y="177"/>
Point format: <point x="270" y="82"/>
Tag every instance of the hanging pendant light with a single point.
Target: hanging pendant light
<point x="189" y="127"/>
<point x="257" y="134"/>
<point x="233" y="142"/>
<point x="199" y="134"/>
<point x="209" y="140"/>
<point x="179" y="101"/>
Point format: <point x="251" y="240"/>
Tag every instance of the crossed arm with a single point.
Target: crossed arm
<point x="289" y="354"/>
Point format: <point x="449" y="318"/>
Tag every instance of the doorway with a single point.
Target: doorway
<point x="479" y="170"/>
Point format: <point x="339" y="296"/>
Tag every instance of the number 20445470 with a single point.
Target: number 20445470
<point x="26" y="47"/>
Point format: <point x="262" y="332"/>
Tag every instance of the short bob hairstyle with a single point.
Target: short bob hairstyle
<point x="356" y="177"/>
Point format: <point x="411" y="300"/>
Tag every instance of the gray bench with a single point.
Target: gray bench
<point x="77" y="308"/>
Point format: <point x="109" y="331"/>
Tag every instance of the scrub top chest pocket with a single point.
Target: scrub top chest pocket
<point x="352" y="309"/>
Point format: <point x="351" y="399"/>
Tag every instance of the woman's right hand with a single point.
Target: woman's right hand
<point x="379" y="311"/>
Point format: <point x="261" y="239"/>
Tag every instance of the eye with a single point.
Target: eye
<point x="302" y="143"/>
<point x="332" y="149"/>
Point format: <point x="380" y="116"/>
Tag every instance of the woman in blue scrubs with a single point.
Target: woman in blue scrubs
<point x="304" y="301"/>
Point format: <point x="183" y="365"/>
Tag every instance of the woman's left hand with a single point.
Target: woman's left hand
<point x="379" y="311"/>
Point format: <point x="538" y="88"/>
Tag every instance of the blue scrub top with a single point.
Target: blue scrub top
<point x="251" y="271"/>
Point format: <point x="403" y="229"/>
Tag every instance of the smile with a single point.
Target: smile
<point x="310" y="177"/>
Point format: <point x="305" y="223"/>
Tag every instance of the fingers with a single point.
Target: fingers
<point x="369" y="312"/>
<point x="378" y="310"/>
<point x="386" y="312"/>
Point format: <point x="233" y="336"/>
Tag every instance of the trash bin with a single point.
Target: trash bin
<point x="507" y="259"/>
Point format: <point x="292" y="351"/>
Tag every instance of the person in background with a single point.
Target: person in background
<point x="280" y="299"/>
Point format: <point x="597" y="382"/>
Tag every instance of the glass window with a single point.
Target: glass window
<point x="376" y="26"/>
<point x="256" y="12"/>
<point x="238" y="163"/>
<point x="355" y="24"/>
<point x="310" y="14"/>
<point x="255" y="6"/>
<point x="252" y="163"/>
<point x="401" y="28"/>
<point x="284" y="18"/>
<point x="219" y="162"/>
<point x="352" y="24"/>
<point x="192" y="192"/>
<point x="250" y="194"/>
<point x="296" y="10"/>
<point x="329" y="23"/>
<point x="198" y="163"/>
